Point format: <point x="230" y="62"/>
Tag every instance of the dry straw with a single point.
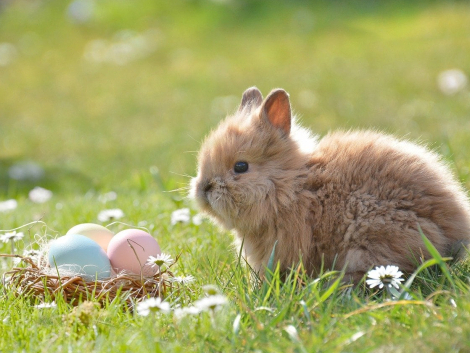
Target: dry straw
<point x="37" y="280"/>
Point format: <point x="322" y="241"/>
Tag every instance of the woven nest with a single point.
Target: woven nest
<point x="38" y="280"/>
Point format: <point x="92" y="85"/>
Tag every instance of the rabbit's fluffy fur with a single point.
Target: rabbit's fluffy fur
<point x="349" y="200"/>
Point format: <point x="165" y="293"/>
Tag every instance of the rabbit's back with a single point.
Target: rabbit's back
<point x="371" y="191"/>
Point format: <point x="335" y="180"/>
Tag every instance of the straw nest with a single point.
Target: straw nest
<point x="38" y="280"/>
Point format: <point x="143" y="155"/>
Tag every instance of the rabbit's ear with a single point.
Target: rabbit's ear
<point x="276" y="109"/>
<point x="252" y="98"/>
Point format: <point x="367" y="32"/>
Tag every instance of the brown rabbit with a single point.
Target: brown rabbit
<point x="349" y="200"/>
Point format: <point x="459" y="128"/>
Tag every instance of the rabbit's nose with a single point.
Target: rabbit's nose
<point x="207" y="187"/>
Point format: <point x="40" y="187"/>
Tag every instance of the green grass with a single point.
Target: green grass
<point x="100" y="127"/>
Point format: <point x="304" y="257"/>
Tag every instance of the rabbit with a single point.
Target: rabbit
<point x="351" y="200"/>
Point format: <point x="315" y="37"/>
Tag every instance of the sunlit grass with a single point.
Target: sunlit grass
<point x="135" y="127"/>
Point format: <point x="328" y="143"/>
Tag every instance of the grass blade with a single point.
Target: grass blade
<point x="271" y="258"/>
<point x="435" y="254"/>
<point x="267" y="287"/>
<point x="331" y="289"/>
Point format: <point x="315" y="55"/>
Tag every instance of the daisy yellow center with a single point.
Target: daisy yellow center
<point x="387" y="278"/>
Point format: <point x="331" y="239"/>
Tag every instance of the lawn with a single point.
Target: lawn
<point x="105" y="104"/>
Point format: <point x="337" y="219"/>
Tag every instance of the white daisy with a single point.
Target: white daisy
<point x="183" y="279"/>
<point x="142" y="224"/>
<point x="26" y="170"/>
<point x="110" y="215"/>
<point x="292" y="332"/>
<point x="40" y="195"/>
<point x="210" y="289"/>
<point x="264" y="308"/>
<point x="81" y="11"/>
<point x="452" y="81"/>
<point x="236" y="324"/>
<point x="11" y="236"/>
<point x="32" y="254"/>
<point x="160" y="260"/>
<point x="180" y="216"/>
<point x="109" y="196"/>
<point x="197" y="219"/>
<point x="8" y="53"/>
<point x="381" y="276"/>
<point x="8" y="205"/>
<point x="46" y="305"/>
<point x="153" y="305"/>
<point x="189" y="310"/>
<point x="212" y="302"/>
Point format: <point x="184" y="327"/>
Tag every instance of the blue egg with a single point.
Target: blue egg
<point x="80" y="255"/>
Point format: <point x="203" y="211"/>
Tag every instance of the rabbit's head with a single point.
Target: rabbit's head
<point x="250" y="167"/>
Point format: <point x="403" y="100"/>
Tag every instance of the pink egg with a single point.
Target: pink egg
<point x="129" y="250"/>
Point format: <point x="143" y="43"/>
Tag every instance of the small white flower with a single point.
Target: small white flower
<point x="355" y="337"/>
<point x="210" y="289"/>
<point x="179" y="313"/>
<point x="292" y="332"/>
<point x="109" y="196"/>
<point x="197" y="219"/>
<point x="40" y="195"/>
<point x="180" y="216"/>
<point x="8" y="53"/>
<point x="153" y="305"/>
<point x="189" y="310"/>
<point x="452" y="81"/>
<point x="380" y="276"/>
<point x="110" y="215"/>
<point x="81" y="11"/>
<point x="160" y="260"/>
<point x="142" y="224"/>
<point x="46" y="305"/>
<point x="236" y="324"/>
<point x="8" y="205"/>
<point x="11" y="236"/>
<point x="212" y="302"/>
<point x="32" y="254"/>
<point x="264" y="308"/>
<point x="183" y="279"/>
<point x="223" y="104"/>
<point x="26" y="170"/>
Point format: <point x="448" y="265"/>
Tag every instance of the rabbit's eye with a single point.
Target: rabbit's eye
<point x="240" y="167"/>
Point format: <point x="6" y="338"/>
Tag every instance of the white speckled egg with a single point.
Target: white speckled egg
<point x="95" y="232"/>
<point x="77" y="254"/>
<point x="129" y="250"/>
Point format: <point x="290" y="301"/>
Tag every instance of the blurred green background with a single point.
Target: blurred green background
<point x="99" y="93"/>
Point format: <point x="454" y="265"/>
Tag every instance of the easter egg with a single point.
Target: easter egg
<point x="129" y="250"/>
<point x="93" y="231"/>
<point x="79" y="255"/>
